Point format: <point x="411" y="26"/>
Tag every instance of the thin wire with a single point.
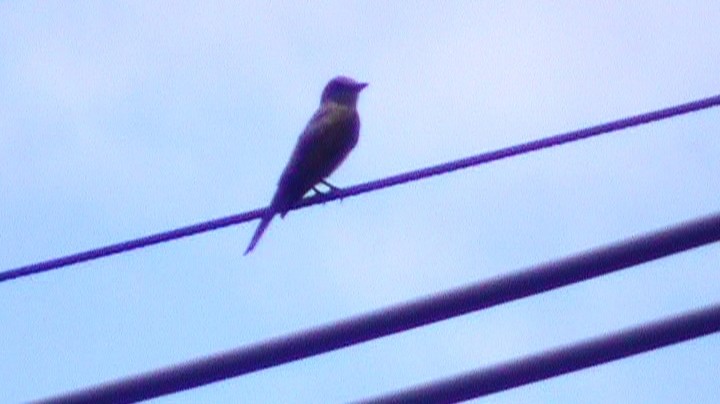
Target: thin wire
<point x="215" y="224"/>
<point x="403" y="317"/>
<point x="559" y="361"/>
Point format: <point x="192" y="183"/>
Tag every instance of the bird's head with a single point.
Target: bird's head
<point x="342" y="90"/>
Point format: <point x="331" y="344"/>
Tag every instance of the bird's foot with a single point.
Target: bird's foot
<point x="333" y="188"/>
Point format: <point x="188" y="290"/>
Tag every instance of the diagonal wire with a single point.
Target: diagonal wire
<point x="415" y="175"/>
<point x="559" y="361"/>
<point x="403" y="317"/>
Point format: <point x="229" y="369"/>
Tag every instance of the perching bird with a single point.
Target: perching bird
<point x="327" y="139"/>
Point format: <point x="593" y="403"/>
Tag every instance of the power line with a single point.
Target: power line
<point x="560" y="361"/>
<point x="403" y="317"/>
<point x="415" y="175"/>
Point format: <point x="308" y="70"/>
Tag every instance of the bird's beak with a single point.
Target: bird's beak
<point x="360" y="86"/>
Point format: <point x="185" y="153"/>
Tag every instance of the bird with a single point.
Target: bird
<point x="330" y="135"/>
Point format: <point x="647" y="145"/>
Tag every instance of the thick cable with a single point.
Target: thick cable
<point x="560" y="361"/>
<point x="403" y="317"/>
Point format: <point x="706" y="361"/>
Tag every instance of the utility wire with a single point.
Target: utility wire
<point x="559" y="361"/>
<point x="363" y="188"/>
<point x="403" y="317"/>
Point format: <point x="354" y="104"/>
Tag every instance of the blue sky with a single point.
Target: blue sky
<point x="123" y="119"/>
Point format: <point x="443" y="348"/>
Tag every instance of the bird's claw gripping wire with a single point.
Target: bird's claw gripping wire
<point x="332" y="189"/>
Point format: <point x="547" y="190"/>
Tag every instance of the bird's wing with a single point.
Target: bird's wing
<point x="327" y="139"/>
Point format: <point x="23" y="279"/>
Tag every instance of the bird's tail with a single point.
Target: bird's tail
<point x="264" y="223"/>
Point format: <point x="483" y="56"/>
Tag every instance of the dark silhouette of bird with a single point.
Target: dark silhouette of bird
<point x="328" y="138"/>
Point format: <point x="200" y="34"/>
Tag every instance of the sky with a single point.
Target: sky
<point x="121" y="119"/>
